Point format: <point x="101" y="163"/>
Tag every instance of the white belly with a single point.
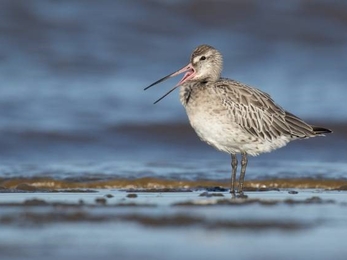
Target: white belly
<point x="219" y="131"/>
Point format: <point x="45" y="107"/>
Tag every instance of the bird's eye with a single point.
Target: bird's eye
<point x="203" y="58"/>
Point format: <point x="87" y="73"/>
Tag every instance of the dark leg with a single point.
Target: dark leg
<point x="234" y="163"/>
<point x="244" y="162"/>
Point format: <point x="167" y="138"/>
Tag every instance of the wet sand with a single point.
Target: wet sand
<point x="152" y="184"/>
<point x="172" y="224"/>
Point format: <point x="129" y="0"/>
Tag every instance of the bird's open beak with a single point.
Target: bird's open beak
<point x="190" y="73"/>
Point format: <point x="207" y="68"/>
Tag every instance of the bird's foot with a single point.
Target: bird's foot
<point x="239" y="195"/>
<point x="233" y="194"/>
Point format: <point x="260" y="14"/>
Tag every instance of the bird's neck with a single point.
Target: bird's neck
<point x="191" y="88"/>
<point x="185" y="92"/>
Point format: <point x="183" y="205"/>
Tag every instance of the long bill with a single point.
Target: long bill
<point x="190" y="73"/>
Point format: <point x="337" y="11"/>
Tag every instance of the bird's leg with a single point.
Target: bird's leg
<point x="234" y="163"/>
<point x="244" y="162"/>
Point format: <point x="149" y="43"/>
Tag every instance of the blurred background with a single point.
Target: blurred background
<point x="72" y="75"/>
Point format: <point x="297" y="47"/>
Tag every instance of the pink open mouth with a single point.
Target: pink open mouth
<point x="190" y="73"/>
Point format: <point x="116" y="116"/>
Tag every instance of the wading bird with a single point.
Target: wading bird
<point x="233" y="117"/>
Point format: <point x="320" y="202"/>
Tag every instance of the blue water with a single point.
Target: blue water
<point x="72" y="75"/>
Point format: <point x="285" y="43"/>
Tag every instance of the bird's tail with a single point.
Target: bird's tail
<point x="320" y="130"/>
<point x="301" y="129"/>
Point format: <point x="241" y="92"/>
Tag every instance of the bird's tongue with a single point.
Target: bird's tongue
<point x="186" y="76"/>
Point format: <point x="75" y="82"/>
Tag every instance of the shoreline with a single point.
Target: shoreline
<point x="37" y="184"/>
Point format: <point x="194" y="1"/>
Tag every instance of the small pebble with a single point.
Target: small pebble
<point x="216" y="189"/>
<point x="101" y="201"/>
<point x="132" y="195"/>
<point x="207" y="194"/>
<point x="293" y="192"/>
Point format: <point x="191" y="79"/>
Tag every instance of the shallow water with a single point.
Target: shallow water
<point x="268" y="225"/>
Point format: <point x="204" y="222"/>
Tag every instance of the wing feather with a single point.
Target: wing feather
<point x="257" y="113"/>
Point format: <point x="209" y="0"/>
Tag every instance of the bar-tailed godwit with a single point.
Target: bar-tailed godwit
<point x="231" y="116"/>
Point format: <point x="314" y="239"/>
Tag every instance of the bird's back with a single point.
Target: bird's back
<point x="256" y="112"/>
